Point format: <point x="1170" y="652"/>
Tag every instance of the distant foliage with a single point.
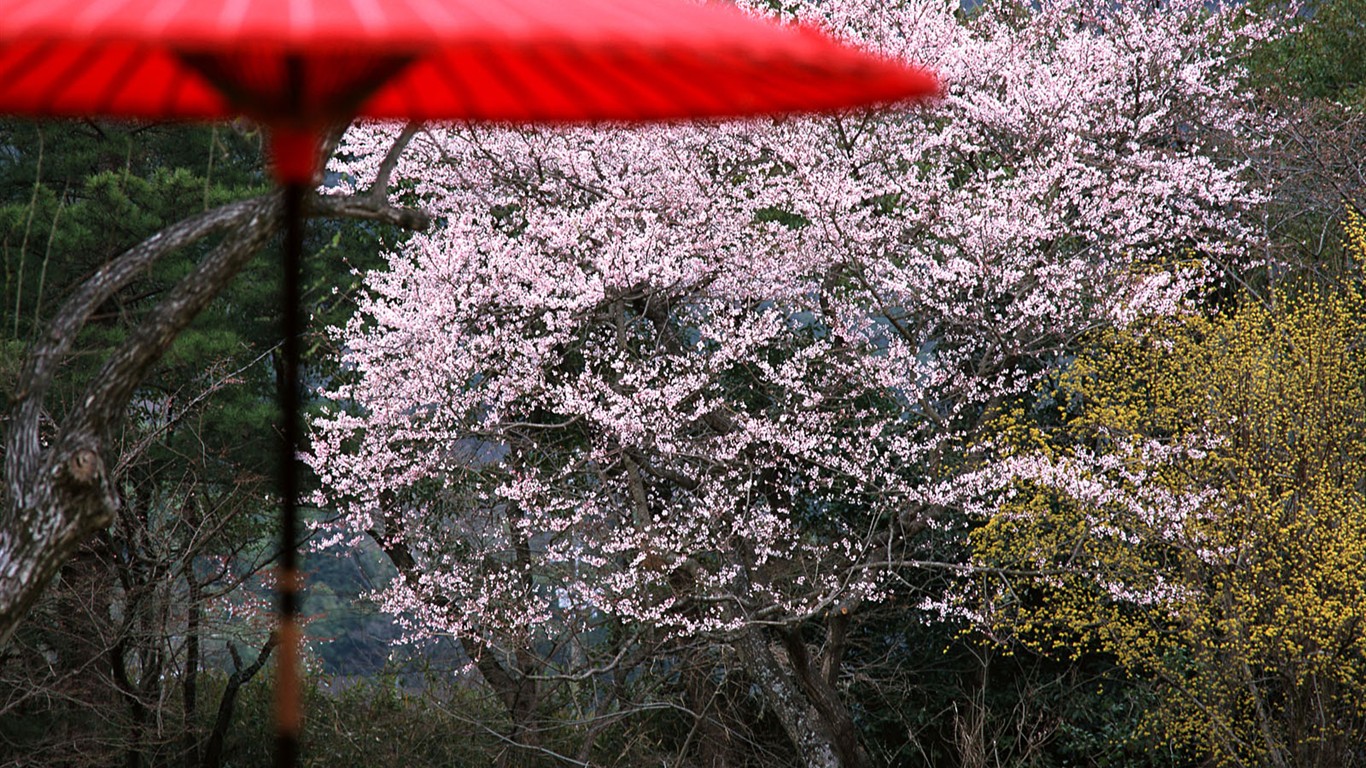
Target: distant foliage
<point x="369" y="721"/>
<point x="1327" y="57"/>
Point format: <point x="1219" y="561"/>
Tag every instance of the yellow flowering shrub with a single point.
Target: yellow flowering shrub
<point x="1199" y="513"/>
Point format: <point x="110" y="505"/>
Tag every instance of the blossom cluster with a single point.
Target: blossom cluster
<point x="700" y="376"/>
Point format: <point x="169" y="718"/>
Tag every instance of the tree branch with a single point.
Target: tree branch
<point x="379" y="190"/>
<point x="51" y="350"/>
<point x="368" y="209"/>
<point x="58" y="491"/>
<point x="122" y="372"/>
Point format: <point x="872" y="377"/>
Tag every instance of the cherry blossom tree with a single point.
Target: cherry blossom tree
<point x="715" y="381"/>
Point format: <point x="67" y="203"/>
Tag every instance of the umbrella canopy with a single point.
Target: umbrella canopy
<point x="297" y="65"/>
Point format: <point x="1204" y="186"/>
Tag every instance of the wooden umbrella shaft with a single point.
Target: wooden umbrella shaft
<point x="288" y="717"/>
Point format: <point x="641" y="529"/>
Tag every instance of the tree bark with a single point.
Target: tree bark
<point x="57" y="488"/>
<point x="213" y="748"/>
<point x="190" y="681"/>
<point x="132" y="698"/>
<point x="819" y="687"/>
<point x="811" y="736"/>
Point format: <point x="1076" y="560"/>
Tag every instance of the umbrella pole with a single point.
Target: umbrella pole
<point x="288" y="716"/>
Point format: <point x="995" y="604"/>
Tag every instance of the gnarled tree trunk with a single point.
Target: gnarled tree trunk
<point x="810" y="733"/>
<point x="57" y="489"/>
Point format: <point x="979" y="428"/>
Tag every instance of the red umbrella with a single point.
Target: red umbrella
<point x="299" y="66"/>
<point x="302" y="64"/>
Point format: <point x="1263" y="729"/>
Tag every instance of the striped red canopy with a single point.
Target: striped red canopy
<point x="311" y="62"/>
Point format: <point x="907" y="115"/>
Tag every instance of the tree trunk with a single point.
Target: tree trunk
<point x="213" y="747"/>
<point x="69" y="504"/>
<point x="56" y="490"/>
<point x="819" y="687"/>
<point x="190" y="684"/>
<point x="510" y="680"/>
<point x="137" y="708"/>
<point x="518" y="692"/>
<point x="810" y="735"/>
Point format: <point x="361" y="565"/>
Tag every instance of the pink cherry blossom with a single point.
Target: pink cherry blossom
<point x="705" y="376"/>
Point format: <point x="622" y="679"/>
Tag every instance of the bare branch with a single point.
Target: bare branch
<point x="48" y="353"/>
<point x="369" y="209"/>
<point x="380" y="189"/>
<point x="120" y="375"/>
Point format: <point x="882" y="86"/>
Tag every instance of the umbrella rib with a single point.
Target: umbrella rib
<point x="120" y="81"/>
<point x="174" y="89"/>
<point x="496" y="25"/>
<point x="458" y="84"/>
<point x="809" y="73"/>
<point x="499" y="78"/>
<point x="234" y="15"/>
<point x="369" y="14"/>
<point x="634" y="17"/>
<point x="165" y="14"/>
<point x="614" y="70"/>
<point x="18" y="17"/>
<point x="302" y="21"/>
<point x="210" y="68"/>
<point x="380" y="70"/>
<point x="66" y="77"/>
<point x="27" y="63"/>
<point x="427" y="10"/>
<point x="558" y="76"/>
<point x="695" y="96"/>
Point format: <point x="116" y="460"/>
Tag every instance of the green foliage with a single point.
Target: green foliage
<point x="73" y="196"/>
<point x="1326" y="58"/>
<point x="372" y="721"/>
<point x="776" y="214"/>
<point x="196" y="454"/>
